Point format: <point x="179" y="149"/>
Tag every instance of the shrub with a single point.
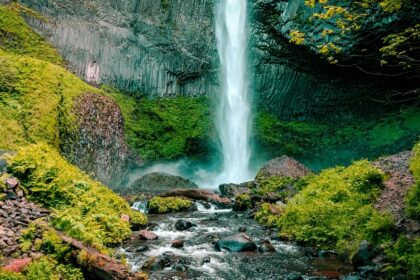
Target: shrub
<point x="335" y="209"/>
<point x="82" y="207"/>
<point x="268" y="214"/>
<point x="413" y="196"/>
<point x="168" y="204"/>
<point x="243" y="202"/>
<point x="405" y="257"/>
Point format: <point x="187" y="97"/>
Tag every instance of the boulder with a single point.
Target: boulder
<point x="183" y="225"/>
<point x="283" y="166"/>
<point x="17" y="265"/>
<point x="147" y="235"/>
<point x="364" y="254"/>
<point x="236" y="243"/>
<point x="177" y="244"/>
<point x="266" y="247"/>
<point x="158" y="183"/>
<point x="233" y="190"/>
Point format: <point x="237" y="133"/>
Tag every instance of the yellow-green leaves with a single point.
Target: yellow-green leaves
<point x="297" y="37"/>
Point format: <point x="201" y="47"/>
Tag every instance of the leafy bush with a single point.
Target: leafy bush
<point x="405" y="257"/>
<point x="82" y="207"/>
<point x="168" y="204"/>
<point x="413" y="196"/>
<point x="268" y="214"/>
<point x="335" y="209"/>
<point x="166" y="128"/>
<point x="243" y="202"/>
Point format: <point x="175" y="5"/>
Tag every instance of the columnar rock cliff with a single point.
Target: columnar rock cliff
<point x="168" y="47"/>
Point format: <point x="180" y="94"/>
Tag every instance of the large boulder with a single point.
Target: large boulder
<point x="236" y="243"/>
<point x="235" y="189"/>
<point x="283" y="166"/>
<point x="158" y="183"/>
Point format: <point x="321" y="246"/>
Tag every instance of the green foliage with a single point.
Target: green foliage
<point x="266" y="216"/>
<point x="44" y="269"/>
<point x="82" y="207"/>
<point x="362" y="137"/>
<point x="166" y="128"/>
<point x="335" y="209"/>
<point x="413" y="196"/>
<point x="243" y="202"/>
<point x="283" y="186"/>
<point x="36" y="101"/>
<point x="163" y="205"/>
<point x="17" y="37"/>
<point x="405" y="257"/>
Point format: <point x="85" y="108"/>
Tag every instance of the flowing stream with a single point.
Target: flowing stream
<point x="234" y="113"/>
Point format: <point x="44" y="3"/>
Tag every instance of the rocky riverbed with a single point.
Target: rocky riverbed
<point x="213" y="243"/>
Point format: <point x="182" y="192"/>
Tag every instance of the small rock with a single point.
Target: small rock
<point x="266" y="247"/>
<point x="323" y="254"/>
<point x="12" y="183"/>
<point x="183" y="225"/>
<point x="242" y="229"/>
<point x="147" y="235"/>
<point x="177" y="244"/>
<point x="149" y="263"/>
<point x="205" y="260"/>
<point x="364" y="254"/>
<point x="17" y="265"/>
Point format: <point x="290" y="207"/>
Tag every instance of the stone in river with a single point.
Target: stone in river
<point x="147" y="235"/>
<point x="236" y="243"/>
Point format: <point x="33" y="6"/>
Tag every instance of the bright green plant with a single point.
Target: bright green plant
<point x="266" y="216"/>
<point x="405" y="257"/>
<point x="243" y="202"/>
<point x="82" y="207"/>
<point x="335" y="209"/>
<point x="163" y="205"/>
<point x="413" y="196"/>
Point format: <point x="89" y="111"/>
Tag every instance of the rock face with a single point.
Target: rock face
<point x="163" y="48"/>
<point x="160" y="48"/>
<point x="158" y="183"/>
<point x="98" y="147"/>
<point x="236" y="243"/>
<point x="283" y="167"/>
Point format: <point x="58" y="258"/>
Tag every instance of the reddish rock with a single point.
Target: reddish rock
<point x="12" y="183"/>
<point x="283" y="167"/>
<point x="125" y="217"/>
<point x="177" y="244"/>
<point x="147" y="235"/>
<point x="17" y="265"/>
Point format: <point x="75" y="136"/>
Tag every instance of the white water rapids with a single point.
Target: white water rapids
<point x="234" y="112"/>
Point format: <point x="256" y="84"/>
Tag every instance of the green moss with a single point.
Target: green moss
<point x="243" y="202"/>
<point x="335" y="210"/>
<point x="268" y="214"/>
<point x="17" y="37"/>
<point x="82" y="207"/>
<point x="413" y="196"/>
<point x="6" y="275"/>
<point x="338" y="142"/>
<point x="36" y="101"/>
<point x="163" y="205"/>
<point x="166" y="128"/>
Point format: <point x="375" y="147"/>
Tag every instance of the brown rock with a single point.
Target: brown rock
<point x="125" y="217"/>
<point x="177" y="244"/>
<point x="12" y="183"/>
<point x="284" y="167"/>
<point x="17" y="265"/>
<point x="147" y="235"/>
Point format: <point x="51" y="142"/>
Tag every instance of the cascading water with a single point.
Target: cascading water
<point x="234" y="113"/>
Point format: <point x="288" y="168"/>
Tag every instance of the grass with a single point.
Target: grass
<point x="82" y="207"/>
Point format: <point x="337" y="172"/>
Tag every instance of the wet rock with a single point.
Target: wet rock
<point x="266" y="247"/>
<point x="147" y="235"/>
<point x="236" y="243"/>
<point x="183" y="225"/>
<point x="12" y="183"/>
<point x="324" y="254"/>
<point x="152" y="226"/>
<point x="149" y="263"/>
<point x="205" y="260"/>
<point x="351" y="277"/>
<point x="204" y="195"/>
<point x="294" y="276"/>
<point x="177" y="244"/>
<point x="364" y="254"/>
<point x="158" y="183"/>
<point x="242" y="229"/>
<point x="233" y="190"/>
<point x="283" y="167"/>
<point x="142" y="248"/>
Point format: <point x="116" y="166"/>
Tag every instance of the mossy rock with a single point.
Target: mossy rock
<point x="162" y="205"/>
<point x="158" y="183"/>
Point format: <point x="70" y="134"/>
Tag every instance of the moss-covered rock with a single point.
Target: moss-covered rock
<point x="82" y="207"/>
<point x="166" y="128"/>
<point x="161" y="205"/>
<point x="243" y="202"/>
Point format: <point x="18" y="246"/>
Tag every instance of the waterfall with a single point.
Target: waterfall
<point x="234" y="112"/>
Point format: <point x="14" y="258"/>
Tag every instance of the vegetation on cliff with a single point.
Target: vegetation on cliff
<point x="82" y="207"/>
<point x="163" y="205"/>
<point x="166" y="128"/>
